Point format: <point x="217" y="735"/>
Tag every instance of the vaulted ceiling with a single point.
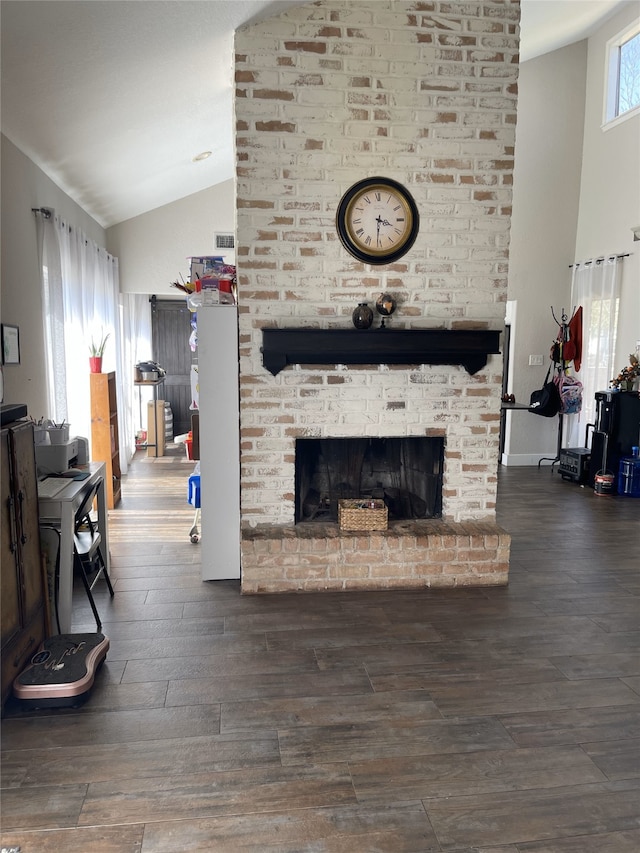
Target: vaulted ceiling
<point x="113" y="99"/>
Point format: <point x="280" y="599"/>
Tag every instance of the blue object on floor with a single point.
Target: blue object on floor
<point x="194" y="490"/>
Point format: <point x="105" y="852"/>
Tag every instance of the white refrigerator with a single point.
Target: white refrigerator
<point x="218" y="381"/>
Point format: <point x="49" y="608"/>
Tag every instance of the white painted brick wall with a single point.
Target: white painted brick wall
<point x="330" y="93"/>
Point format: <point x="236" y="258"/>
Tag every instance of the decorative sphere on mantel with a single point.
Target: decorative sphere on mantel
<point x="385" y="305"/>
<point x="362" y="316"/>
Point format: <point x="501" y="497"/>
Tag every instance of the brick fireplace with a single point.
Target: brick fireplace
<point x="404" y="473"/>
<point x="326" y="94"/>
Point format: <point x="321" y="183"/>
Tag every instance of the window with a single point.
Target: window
<point x="596" y="287"/>
<point x="629" y="77"/>
<point x="622" y="92"/>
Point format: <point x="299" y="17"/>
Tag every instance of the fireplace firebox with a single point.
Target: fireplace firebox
<point x="405" y="472"/>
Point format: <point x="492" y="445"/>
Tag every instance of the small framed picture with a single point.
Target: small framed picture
<point x="10" y="344"/>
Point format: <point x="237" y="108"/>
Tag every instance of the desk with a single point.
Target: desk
<point x="158" y="438"/>
<point x="504" y="408"/>
<point x="558" y="444"/>
<point x="60" y="510"/>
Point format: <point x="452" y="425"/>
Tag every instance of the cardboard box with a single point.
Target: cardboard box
<point x="155" y="428"/>
<point x="205" y="265"/>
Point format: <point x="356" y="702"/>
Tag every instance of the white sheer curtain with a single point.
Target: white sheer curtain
<point x="90" y="290"/>
<point x="81" y="301"/>
<point x="52" y="314"/>
<point x="136" y="346"/>
<point x="595" y="286"/>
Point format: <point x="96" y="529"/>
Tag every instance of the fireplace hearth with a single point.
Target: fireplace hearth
<point x="421" y="546"/>
<point x="404" y="472"/>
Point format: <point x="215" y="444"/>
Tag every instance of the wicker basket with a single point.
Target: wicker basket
<point x="362" y="515"/>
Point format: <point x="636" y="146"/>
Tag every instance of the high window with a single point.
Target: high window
<point x="622" y="93"/>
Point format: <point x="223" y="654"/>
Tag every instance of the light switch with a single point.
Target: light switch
<point x="536" y="360"/>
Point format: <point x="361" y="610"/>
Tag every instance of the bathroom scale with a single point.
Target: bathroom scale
<point x="61" y="673"/>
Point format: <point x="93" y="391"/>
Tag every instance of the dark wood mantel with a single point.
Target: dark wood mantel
<point x="468" y="347"/>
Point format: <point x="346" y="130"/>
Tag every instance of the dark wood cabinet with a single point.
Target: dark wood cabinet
<point x="22" y="591"/>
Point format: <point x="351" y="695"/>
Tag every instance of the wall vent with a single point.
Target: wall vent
<point x="224" y="241"/>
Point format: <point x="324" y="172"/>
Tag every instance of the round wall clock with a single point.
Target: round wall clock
<point x="377" y="220"/>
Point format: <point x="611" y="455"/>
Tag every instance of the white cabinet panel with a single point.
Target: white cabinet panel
<point x="219" y="442"/>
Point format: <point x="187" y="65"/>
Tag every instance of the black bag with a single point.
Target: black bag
<point x="546" y="401"/>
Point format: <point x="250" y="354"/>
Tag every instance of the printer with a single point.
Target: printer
<point x="56" y="458"/>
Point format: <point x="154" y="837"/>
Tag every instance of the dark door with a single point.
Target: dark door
<point x="171" y="329"/>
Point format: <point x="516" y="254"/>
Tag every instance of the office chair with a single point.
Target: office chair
<point x="88" y="560"/>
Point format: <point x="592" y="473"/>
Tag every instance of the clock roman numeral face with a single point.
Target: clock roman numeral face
<point x="377" y="220"/>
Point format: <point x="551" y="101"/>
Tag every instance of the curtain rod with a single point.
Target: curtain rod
<point x="600" y="260"/>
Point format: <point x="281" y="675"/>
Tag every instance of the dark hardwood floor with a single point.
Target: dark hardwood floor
<point x="494" y="720"/>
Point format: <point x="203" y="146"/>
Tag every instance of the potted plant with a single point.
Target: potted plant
<point x="624" y="381"/>
<point x="96" y="351"/>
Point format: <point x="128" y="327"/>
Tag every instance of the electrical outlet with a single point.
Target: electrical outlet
<point x="536" y="360"/>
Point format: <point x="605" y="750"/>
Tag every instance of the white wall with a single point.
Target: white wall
<point x="153" y="249"/>
<point x="610" y="193"/>
<point x="546" y="191"/>
<point x="25" y="186"/>
<point x="570" y="178"/>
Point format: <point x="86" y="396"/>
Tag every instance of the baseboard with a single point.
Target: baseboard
<point x="526" y="459"/>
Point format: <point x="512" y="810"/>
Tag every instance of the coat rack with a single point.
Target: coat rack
<point x="566" y="348"/>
